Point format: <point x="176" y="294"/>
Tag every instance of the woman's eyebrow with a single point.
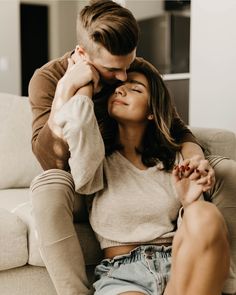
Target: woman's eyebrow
<point x="136" y="82"/>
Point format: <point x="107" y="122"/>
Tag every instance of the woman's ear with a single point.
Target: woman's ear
<point x="150" y="117"/>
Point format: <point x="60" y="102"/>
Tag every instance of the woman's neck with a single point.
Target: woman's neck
<point x="131" y="140"/>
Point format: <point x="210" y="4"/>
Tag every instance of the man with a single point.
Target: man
<point x="107" y="37"/>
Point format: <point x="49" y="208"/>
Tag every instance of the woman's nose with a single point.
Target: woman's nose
<point x="120" y="90"/>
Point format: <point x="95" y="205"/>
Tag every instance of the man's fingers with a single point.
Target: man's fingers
<point x="70" y="63"/>
<point x="195" y="175"/>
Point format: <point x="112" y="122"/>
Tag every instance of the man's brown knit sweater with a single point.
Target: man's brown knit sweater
<point x="50" y="150"/>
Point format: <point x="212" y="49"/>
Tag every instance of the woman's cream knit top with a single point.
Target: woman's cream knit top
<point x="130" y="205"/>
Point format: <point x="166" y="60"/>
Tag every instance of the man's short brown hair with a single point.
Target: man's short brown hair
<point x="108" y="24"/>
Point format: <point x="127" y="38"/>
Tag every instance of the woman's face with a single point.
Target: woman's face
<point x="129" y="102"/>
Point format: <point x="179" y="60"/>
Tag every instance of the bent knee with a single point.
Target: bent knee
<point x="52" y="177"/>
<point x="203" y="220"/>
<point x="52" y="190"/>
<point x="50" y="180"/>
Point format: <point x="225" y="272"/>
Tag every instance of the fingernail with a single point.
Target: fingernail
<point x="182" y="168"/>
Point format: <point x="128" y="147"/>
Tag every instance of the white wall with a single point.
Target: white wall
<point x="213" y="64"/>
<point x="62" y="37"/>
<point x="142" y="9"/>
<point x="62" y="32"/>
<point x="66" y="23"/>
<point x="62" y="27"/>
<point x="10" y="47"/>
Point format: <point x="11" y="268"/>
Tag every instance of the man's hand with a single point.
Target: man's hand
<point x="199" y="169"/>
<point x="77" y="76"/>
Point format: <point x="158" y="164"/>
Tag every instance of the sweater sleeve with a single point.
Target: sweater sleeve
<point x="87" y="152"/>
<point x="50" y="150"/>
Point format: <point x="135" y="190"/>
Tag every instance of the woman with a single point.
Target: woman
<point x="141" y="191"/>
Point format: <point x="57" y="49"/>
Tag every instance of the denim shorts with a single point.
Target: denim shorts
<point x="145" y="269"/>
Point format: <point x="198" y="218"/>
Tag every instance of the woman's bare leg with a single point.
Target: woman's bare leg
<point x="200" y="256"/>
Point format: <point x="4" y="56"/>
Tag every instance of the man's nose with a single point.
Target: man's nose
<point x="121" y="75"/>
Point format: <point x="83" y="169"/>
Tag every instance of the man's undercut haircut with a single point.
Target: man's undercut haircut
<point x="108" y="24"/>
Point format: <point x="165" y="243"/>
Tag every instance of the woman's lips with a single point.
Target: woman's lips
<point x="119" y="101"/>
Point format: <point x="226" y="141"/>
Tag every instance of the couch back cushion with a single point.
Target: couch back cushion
<point x="18" y="165"/>
<point x="216" y="141"/>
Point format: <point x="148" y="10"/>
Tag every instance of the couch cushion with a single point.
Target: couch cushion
<point x="217" y="141"/>
<point x="11" y="198"/>
<point x="24" y="212"/>
<point x="18" y="165"/>
<point x="13" y="241"/>
<point x="89" y="244"/>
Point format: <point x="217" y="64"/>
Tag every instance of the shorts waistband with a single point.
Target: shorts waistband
<point x="144" y="251"/>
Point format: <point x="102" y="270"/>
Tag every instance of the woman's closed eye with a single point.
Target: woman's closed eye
<point x="136" y="89"/>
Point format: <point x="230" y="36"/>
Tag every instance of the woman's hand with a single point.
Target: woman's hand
<point x="199" y="169"/>
<point x="187" y="185"/>
<point x="86" y="90"/>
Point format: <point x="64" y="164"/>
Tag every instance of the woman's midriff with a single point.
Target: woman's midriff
<point x="111" y="252"/>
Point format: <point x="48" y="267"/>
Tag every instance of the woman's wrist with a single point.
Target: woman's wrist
<point x="86" y="90"/>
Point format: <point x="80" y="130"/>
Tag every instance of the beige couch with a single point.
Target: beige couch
<point x="22" y="271"/>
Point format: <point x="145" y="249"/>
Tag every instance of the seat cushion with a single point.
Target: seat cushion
<point x="89" y="244"/>
<point x="13" y="241"/>
<point x="11" y="198"/>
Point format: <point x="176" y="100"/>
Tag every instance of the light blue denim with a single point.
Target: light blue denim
<point x="145" y="269"/>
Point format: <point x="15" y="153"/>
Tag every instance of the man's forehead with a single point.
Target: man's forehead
<point x="116" y="62"/>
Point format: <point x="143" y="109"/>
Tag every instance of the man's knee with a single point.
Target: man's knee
<point x="225" y="172"/>
<point x="52" y="190"/>
<point x="52" y="199"/>
<point x="223" y="192"/>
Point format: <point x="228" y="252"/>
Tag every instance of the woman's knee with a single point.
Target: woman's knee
<point x="202" y="220"/>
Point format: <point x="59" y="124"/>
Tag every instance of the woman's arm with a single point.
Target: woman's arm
<point x="49" y="88"/>
<point x="81" y="132"/>
<point x="192" y="152"/>
<point x="187" y="188"/>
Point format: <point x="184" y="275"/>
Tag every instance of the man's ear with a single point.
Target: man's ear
<point x="81" y="52"/>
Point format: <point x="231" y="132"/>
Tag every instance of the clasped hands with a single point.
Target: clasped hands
<point x="80" y="78"/>
<point x="192" y="177"/>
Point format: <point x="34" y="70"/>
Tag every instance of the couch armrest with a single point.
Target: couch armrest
<point x="216" y="141"/>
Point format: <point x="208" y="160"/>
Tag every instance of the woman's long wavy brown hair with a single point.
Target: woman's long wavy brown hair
<point x="158" y="143"/>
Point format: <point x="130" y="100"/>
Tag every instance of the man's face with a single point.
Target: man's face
<point x="111" y="67"/>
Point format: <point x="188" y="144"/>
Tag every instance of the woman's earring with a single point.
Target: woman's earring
<point x="150" y="117"/>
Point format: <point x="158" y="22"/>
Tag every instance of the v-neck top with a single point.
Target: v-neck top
<point x="130" y="205"/>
